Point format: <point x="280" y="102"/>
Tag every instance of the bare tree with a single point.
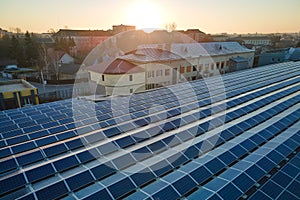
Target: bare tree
<point x="171" y="26"/>
<point x="15" y="30"/>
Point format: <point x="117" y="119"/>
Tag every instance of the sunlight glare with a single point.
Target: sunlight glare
<point x="144" y="14"/>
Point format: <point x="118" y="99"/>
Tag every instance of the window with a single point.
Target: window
<point x="181" y="70"/>
<point x="212" y="65"/>
<point x="27" y="101"/>
<point x="200" y="67"/>
<point x="131" y="90"/>
<point x="206" y="67"/>
<point x="227" y="63"/>
<point x="130" y="77"/>
<point x="159" y="72"/>
<point x="103" y="77"/>
<point x="188" y="69"/>
<point x="194" y="68"/>
<point x="218" y="65"/>
<point x="222" y="65"/>
<point x="150" y="74"/>
<point x="167" y="72"/>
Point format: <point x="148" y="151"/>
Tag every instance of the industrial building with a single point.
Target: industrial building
<point x="234" y="136"/>
<point x="17" y="93"/>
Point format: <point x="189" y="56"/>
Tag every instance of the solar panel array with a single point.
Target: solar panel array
<point x="229" y="137"/>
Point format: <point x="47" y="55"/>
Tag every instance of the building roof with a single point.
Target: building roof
<point x="14" y="85"/>
<point x="239" y="59"/>
<point x="145" y="55"/>
<point x="69" y="68"/>
<point x="259" y="37"/>
<point x="295" y="56"/>
<point x="195" y="50"/>
<point x="230" y="137"/>
<point x="18" y="70"/>
<point x="117" y="66"/>
<point x="73" y="33"/>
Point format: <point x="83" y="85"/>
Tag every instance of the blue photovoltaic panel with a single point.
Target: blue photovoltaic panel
<point x="66" y="153"/>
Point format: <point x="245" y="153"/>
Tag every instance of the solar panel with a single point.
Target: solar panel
<point x="12" y="183"/>
<point x="226" y="161"/>
<point x="29" y="158"/>
<point x="54" y="191"/>
<point x="118" y="190"/>
<point x="79" y="180"/>
<point x="65" y="163"/>
<point x="39" y="173"/>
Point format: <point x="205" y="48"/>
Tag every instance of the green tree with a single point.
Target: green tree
<point x="64" y="44"/>
<point x="31" y="49"/>
<point x="4" y="47"/>
<point x="16" y="50"/>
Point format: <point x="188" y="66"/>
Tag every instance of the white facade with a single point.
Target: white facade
<point x="257" y="41"/>
<point x="120" y="84"/>
<point x="186" y="62"/>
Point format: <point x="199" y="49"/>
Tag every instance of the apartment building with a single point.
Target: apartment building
<point x="166" y="64"/>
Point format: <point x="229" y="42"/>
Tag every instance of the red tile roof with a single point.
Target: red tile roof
<point x="117" y="66"/>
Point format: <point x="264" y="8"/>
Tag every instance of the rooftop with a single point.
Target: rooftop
<point x="194" y="50"/>
<point x="117" y="66"/>
<point x="231" y="136"/>
<point x="14" y="85"/>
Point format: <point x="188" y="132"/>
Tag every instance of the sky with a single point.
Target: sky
<point x="210" y="16"/>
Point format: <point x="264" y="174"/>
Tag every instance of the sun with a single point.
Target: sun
<point x="144" y="14"/>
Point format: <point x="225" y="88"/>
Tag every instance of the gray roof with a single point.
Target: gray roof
<point x="145" y="55"/>
<point x="194" y="50"/>
<point x="239" y="59"/>
<point x="295" y="56"/>
<point x="69" y="68"/>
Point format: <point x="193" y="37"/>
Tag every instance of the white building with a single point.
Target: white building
<point x="257" y="40"/>
<point x="155" y="65"/>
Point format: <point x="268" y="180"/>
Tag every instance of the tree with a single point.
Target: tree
<point x="275" y="39"/>
<point x="171" y="26"/>
<point x="31" y="49"/>
<point x="64" y="44"/>
<point x="4" y="47"/>
<point x="16" y="50"/>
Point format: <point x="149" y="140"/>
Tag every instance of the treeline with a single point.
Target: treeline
<point x="28" y="51"/>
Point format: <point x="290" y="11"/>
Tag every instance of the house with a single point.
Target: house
<point x="277" y="56"/>
<point x="255" y="41"/>
<point x="272" y="57"/>
<point x="121" y="28"/>
<point x="119" y="77"/>
<point x="86" y="40"/>
<point x="68" y="71"/>
<point x="220" y="37"/>
<point x="65" y="58"/>
<point x="167" y="64"/>
<point x="196" y="35"/>
<point x="17" y="93"/>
